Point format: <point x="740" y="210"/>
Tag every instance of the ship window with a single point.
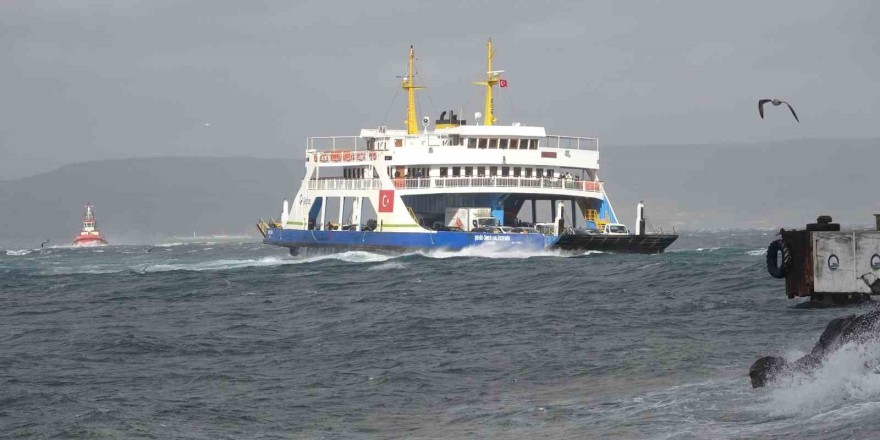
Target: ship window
<point x="444" y="171"/>
<point x="456" y="171"/>
<point x="549" y="172"/>
<point x="533" y="144"/>
<point x="483" y="142"/>
<point x="505" y="171"/>
<point x="539" y="172"/>
<point x="481" y="171"/>
<point x="493" y="171"/>
<point x="468" y="171"/>
<point x="513" y="143"/>
<point x="517" y="171"/>
<point x="504" y="143"/>
<point x="455" y="140"/>
<point x="524" y="144"/>
<point x="472" y="143"/>
<point x="493" y="143"/>
<point x="528" y="172"/>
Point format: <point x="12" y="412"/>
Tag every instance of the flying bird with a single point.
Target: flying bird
<point x="43" y="244"/>
<point x="775" y="102"/>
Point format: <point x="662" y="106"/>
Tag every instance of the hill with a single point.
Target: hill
<point x="140" y="200"/>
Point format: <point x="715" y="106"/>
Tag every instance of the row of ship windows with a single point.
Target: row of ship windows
<point x="480" y="172"/>
<point x="484" y="143"/>
<point x="495" y="143"/>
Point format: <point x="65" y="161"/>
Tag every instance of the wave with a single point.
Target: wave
<point x="848" y="376"/>
<point x="496" y="252"/>
<point x="757" y="252"/>
<point x="699" y="249"/>
<point x="217" y="265"/>
<point x="20" y="252"/>
<point x="390" y="265"/>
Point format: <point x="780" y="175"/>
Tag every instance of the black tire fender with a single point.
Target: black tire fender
<point x="775" y="269"/>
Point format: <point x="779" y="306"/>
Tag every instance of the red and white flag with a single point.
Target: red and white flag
<point x="386" y="200"/>
<point x="502" y="83"/>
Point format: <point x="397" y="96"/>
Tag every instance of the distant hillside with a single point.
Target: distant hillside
<point x="689" y="187"/>
<point x="746" y="185"/>
<point x="139" y="200"/>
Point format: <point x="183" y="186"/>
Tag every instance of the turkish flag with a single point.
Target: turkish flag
<point x="503" y="83"/>
<point x="386" y="200"/>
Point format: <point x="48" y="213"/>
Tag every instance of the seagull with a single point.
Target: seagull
<point x="43" y="244"/>
<point x="775" y="102"/>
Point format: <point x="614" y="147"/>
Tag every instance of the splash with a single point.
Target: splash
<point x="390" y="265"/>
<point x="503" y="252"/>
<point x="848" y="376"/>
<point x="19" y="253"/>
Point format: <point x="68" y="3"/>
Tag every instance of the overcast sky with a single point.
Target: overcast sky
<point x="88" y="79"/>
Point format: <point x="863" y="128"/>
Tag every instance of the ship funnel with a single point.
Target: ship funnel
<point x="451" y="121"/>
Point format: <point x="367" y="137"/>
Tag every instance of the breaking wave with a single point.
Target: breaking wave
<point x="847" y="376"/>
<point x="19" y="253"/>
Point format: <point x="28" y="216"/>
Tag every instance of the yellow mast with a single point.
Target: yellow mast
<point x="492" y="78"/>
<point x="412" y="125"/>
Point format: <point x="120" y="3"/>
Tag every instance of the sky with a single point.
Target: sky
<point x="86" y="80"/>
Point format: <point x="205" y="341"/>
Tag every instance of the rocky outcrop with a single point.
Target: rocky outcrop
<point x="852" y="328"/>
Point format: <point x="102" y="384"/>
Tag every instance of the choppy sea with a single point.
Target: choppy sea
<point x="239" y="340"/>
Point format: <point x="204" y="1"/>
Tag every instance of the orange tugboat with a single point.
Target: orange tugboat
<point x="89" y="235"/>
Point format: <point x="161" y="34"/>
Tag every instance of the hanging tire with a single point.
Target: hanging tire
<point x="775" y="269"/>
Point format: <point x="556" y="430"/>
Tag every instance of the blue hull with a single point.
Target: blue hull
<point x="402" y="241"/>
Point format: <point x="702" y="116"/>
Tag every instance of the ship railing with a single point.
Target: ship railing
<point x="572" y="143"/>
<point x="345" y="184"/>
<point x="334" y="184"/>
<point x="498" y="182"/>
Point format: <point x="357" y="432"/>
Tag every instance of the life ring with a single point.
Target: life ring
<point x="324" y="157"/>
<point x="775" y="269"/>
<point x="360" y="156"/>
<point x="347" y="156"/>
<point x="335" y="156"/>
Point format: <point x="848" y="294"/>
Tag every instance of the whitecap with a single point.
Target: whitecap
<point x="504" y="252"/>
<point x="757" y="252"/>
<point x="390" y="265"/>
<point x="18" y="253"/>
<point x="847" y="376"/>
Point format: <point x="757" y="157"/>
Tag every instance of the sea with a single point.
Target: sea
<point x="239" y="340"/>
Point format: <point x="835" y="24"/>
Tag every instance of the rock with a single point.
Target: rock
<point x="858" y="328"/>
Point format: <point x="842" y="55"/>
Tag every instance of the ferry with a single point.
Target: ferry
<point x="454" y="185"/>
<point x="89" y="235"/>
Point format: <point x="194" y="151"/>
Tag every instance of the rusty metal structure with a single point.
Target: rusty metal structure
<point x="826" y="264"/>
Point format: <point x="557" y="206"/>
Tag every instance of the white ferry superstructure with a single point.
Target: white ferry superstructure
<point x="454" y="186"/>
